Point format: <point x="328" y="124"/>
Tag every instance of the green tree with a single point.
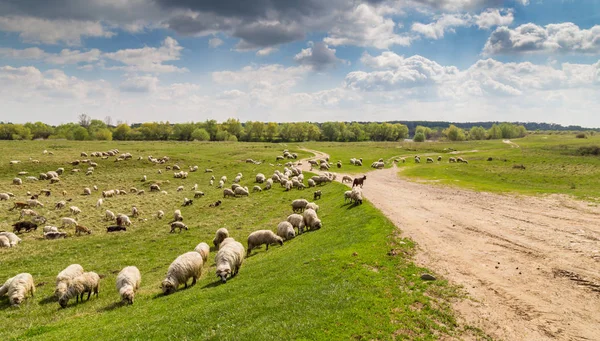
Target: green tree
<point x="495" y="132"/>
<point x="200" y="134"/>
<point x="233" y="127"/>
<point x="425" y="130"/>
<point x="477" y="133"/>
<point x="39" y="130"/>
<point x="453" y="133"/>
<point x="419" y="137"/>
<point x="80" y="134"/>
<point x="271" y="131"/>
<point x="330" y="131"/>
<point x="122" y="132"/>
<point x="183" y="131"/>
<point x="103" y="134"/>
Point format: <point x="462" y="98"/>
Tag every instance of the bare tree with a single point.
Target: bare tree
<point x="84" y="120"/>
<point x="108" y="121"/>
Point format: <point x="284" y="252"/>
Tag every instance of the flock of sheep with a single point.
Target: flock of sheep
<point x="74" y="282"/>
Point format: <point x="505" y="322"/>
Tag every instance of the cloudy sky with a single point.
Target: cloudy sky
<point x="300" y="60"/>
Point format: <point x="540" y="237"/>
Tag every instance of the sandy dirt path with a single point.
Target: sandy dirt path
<point x="531" y="265"/>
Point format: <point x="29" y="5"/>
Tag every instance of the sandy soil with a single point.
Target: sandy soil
<point x="531" y="265"/>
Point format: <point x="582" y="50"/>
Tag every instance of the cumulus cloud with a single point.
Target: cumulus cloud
<point x="139" y="84"/>
<point x="266" y="51"/>
<point x="272" y="76"/>
<point x="149" y="59"/>
<point x="69" y="32"/>
<point x="318" y="56"/>
<point x="448" y="22"/>
<point x="531" y="38"/>
<point x="215" y="42"/>
<point x="365" y="26"/>
<point x="494" y="17"/>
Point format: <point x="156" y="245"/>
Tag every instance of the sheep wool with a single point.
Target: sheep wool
<point x="203" y="249"/>
<point x="12" y="238"/>
<point x="19" y="288"/>
<point x="128" y="282"/>
<point x="229" y="259"/>
<point x="88" y="282"/>
<point x="183" y="267"/>
<point x="311" y="220"/>
<point x="285" y="230"/>
<point x="220" y="236"/>
<point x="297" y="221"/>
<point x="65" y="276"/>
<point x="4" y="287"/>
<point x="4" y="242"/>
<point x="261" y="237"/>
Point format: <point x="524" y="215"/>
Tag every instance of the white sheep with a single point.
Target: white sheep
<point x="229" y="258"/>
<point x="346" y="178"/>
<point x="134" y="211"/>
<point x="19" y="288"/>
<point x="4" y="242"/>
<point x="68" y="221"/>
<point x="228" y="193"/>
<point x="128" y="282"/>
<point x="260" y="237"/>
<point x="17" y="181"/>
<point x="179" y="225"/>
<point x="28" y="212"/>
<point x="224" y="178"/>
<point x="177" y="216"/>
<point x="183" y="267"/>
<point x="74" y="210"/>
<point x="312" y="206"/>
<point x="99" y="203"/>
<point x="203" y="249"/>
<point x="285" y="230"/>
<point x="50" y="229"/>
<point x="297" y="221"/>
<point x="220" y="235"/>
<point x="4" y="287"/>
<point x="4" y="196"/>
<point x="12" y="238"/>
<point x="180" y="189"/>
<point x="109" y="215"/>
<point x="260" y="178"/>
<point x="256" y="188"/>
<point x="311" y="220"/>
<point x="299" y="205"/>
<point x="87" y="282"/>
<point x="160" y="214"/>
<point x="243" y="191"/>
<point x="64" y="278"/>
<point x="123" y="220"/>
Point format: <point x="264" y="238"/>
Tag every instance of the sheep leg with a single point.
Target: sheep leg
<point x="194" y="280"/>
<point x="267" y="246"/>
<point x="185" y="284"/>
<point x="89" y="294"/>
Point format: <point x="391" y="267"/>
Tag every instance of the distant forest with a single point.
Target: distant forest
<point x="233" y="130"/>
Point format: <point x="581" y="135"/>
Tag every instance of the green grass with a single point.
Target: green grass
<point x="352" y="279"/>
<point x="553" y="163"/>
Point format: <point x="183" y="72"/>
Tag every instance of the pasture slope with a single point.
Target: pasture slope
<point x="352" y="279"/>
<point x="528" y="263"/>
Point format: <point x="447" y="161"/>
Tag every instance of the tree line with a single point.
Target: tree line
<point x="253" y="131"/>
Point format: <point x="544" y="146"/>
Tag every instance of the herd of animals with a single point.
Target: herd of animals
<point x="75" y="282"/>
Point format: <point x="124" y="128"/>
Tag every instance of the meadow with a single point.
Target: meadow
<point x="551" y="164"/>
<point x="352" y="279"/>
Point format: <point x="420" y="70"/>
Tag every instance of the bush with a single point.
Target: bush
<point x="588" y="150"/>
<point x="581" y="136"/>
<point x="419" y="137"/>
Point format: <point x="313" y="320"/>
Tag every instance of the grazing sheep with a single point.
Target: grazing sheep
<point x="39" y="219"/>
<point x="241" y="191"/>
<point x="99" y="203"/>
<point x="439" y="158"/>
<point x="27" y="212"/>
<point x="55" y="235"/>
<point x="260" y="178"/>
<point x="160" y="214"/>
<point x="221" y="184"/>
<point x="4" y="196"/>
<point x="135" y="212"/>
<point x="429" y="160"/>
<point x="311" y="220"/>
<point x="451" y="159"/>
<point x="177" y="216"/>
<point x="50" y="229"/>
<point x="116" y="228"/>
<point x="203" y="249"/>
<point x="228" y="193"/>
<point x="260" y="237"/>
<point x="285" y="230"/>
<point x="87" y="282"/>
<point x="229" y="259"/>
<point x="297" y="221"/>
<point x="74" y="210"/>
<point x="64" y="278"/>
<point x="19" y="288"/>
<point x="180" y="189"/>
<point x="108" y="215"/>
<point x="215" y="204"/>
<point x="128" y="282"/>
<point x="79" y="229"/>
<point x="123" y="219"/>
<point x="154" y="188"/>
<point x="198" y="194"/>
<point x="34" y="203"/>
<point x="4" y="242"/>
<point x="312" y="206"/>
<point x="346" y="178"/>
<point x="179" y="225"/>
<point x="298" y="205"/>
<point x="141" y="192"/>
<point x="183" y="267"/>
<point x="17" y="181"/>
<point x="109" y="194"/>
<point x="256" y="188"/>
<point x="68" y="221"/>
<point x="356" y="196"/>
<point x="24" y="225"/>
<point x="4" y="287"/>
<point x="220" y="235"/>
<point x="12" y="238"/>
<point x="317" y="195"/>
<point x="234" y="186"/>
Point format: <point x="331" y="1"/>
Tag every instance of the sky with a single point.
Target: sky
<point x="300" y="60"/>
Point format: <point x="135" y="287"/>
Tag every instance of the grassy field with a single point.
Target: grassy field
<point x="352" y="279"/>
<point x="552" y="163"/>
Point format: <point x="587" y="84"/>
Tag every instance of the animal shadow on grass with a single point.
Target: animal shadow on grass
<point x="49" y="300"/>
<point x="213" y="284"/>
<point x="181" y="288"/>
<point x="112" y="306"/>
<point x="350" y="205"/>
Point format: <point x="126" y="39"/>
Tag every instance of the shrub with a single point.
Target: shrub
<point x="419" y="137"/>
<point x="588" y="150"/>
<point x="581" y="136"/>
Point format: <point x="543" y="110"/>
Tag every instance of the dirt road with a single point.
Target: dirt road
<point x="531" y="265"/>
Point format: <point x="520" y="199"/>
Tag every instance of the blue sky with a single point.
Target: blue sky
<point x="289" y="60"/>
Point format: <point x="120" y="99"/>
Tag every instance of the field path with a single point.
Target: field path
<point x="531" y="265"/>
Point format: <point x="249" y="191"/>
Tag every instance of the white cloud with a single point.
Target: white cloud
<point x="67" y="56"/>
<point x="531" y="38"/>
<point x="448" y="22"/>
<point x="365" y="26"/>
<point x="149" y="59"/>
<point x="318" y="56"/>
<point x="139" y="84"/>
<point x="271" y="77"/>
<point x="266" y="51"/>
<point x="36" y="30"/>
<point x="215" y="42"/>
<point x="28" y="53"/>
<point x="494" y="17"/>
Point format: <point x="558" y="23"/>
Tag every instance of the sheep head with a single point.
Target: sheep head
<point x="168" y="286"/>
<point x="223" y="272"/>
